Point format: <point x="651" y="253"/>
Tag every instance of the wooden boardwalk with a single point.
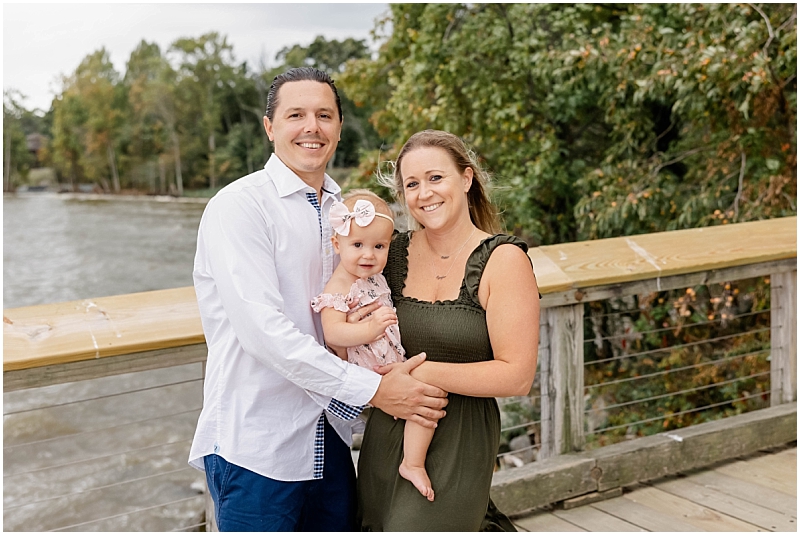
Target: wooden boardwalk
<point x="756" y="493"/>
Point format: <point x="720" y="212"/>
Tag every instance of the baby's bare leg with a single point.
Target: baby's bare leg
<point x="416" y="440"/>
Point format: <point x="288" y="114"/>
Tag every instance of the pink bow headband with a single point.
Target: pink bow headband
<point x="363" y="213"/>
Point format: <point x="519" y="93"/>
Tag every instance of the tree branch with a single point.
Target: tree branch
<point x="769" y="27"/>
<point x="741" y="187"/>
<point x="679" y="158"/>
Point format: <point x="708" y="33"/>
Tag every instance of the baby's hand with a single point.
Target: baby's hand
<point x="380" y="320"/>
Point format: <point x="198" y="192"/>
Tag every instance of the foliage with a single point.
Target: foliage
<point x="187" y="117"/>
<point x="15" y="148"/>
<point x="672" y="359"/>
<point x="600" y="120"/>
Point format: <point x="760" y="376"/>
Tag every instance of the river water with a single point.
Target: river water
<point x="103" y="454"/>
<point x="64" y="248"/>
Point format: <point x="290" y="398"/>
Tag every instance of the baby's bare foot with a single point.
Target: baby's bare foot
<point x="419" y="477"/>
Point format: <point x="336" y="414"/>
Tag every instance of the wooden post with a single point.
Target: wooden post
<point x="562" y="381"/>
<point x="783" y="332"/>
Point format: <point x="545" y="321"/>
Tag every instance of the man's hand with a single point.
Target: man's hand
<point x="402" y="396"/>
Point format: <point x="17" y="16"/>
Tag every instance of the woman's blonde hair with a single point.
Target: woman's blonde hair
<point x="481" y="210"/>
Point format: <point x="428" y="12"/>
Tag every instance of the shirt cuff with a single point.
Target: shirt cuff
<point x="359" y="386"/>
<point x="344" y="411"/>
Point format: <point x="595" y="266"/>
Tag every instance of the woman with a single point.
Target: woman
<point x="467" y="297"/>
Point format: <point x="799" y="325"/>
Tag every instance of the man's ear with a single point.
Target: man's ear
<point x="268" y="128"/>
<point x="335" y="243"/>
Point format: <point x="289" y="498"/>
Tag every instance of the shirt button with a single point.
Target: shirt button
<point x="216" y="448"/>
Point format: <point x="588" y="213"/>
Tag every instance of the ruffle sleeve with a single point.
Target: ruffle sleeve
<point x="336" y="301"/>
<point x="477" y="262"/>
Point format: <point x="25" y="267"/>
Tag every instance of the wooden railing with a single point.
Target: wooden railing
<point x="85" y="340"/>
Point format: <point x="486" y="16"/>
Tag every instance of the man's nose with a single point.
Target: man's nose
<point x="311" y="124"/>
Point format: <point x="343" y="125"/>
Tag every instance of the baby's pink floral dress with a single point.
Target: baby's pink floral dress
<point x="365" y="291"/>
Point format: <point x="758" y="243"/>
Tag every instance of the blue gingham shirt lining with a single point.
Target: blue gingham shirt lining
<point x="335" y="407"/>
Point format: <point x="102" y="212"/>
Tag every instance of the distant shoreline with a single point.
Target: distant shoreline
<point x="108" y="197"/>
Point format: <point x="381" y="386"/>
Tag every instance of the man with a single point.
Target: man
<point x="266" y="436"/>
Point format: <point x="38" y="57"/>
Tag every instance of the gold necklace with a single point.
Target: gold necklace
<point x="433" y="267"/>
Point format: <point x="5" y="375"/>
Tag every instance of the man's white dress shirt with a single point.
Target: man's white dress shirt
<point x="263" y="252"/>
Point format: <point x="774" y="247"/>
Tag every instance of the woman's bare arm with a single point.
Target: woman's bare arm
<point x="510" y="296"/>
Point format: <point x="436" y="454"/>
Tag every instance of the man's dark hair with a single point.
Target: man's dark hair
<point x="299" y="74"/>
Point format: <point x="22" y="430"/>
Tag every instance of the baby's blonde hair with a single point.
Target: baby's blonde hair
<point x="350" y="198"/>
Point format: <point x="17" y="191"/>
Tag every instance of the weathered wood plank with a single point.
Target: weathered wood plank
<point x="729" y="505"/>
<point x="546" y="522"/>
<point x="566" y="476"/>
<point x="703" y="518"/>
<point x="775" y="466"/>
<point x="536" y="484"/>
<point x="592" y="519"/>
<point x="103" y="367"/>
<point x="783" y="335"/>
<point x="562" y="382"/>
<point x="641" y="516"/>
<point x="675" y="282"/>
<point x="699" y="445"/>
<point x="757" y="474"/>
<point x="663" y="254"/>
<point x="746" y="490"/>
<point x="58" y="333"/>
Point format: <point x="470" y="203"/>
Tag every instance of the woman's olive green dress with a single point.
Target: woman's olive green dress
<point x="461" y="457"/>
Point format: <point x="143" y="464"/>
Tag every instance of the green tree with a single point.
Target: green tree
<point x="599" y="120"/>
<point x="205" y="69"/>
<point x="16" y="158"/>
<point x="87" y="122"/>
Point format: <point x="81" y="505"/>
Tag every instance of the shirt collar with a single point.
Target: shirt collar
<point x="287" y="182"/>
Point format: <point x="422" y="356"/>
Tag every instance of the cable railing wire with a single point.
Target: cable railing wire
<point x="674" y="370"/>
<point x="101" y="429"/>
<point x="110" y="485"/>
<point x="191" y="527"/>
<point x="665" y="329"/>
<point x="520" y="426"/>
<point x="143" y="389"/>
<point x="670" y="394"/>
<point x="696" y="409"/>
<point x="526" y="448"/>
<point x="678" y="346"/>
<point x="91" y="459"/>
<point x="126" y="513"/>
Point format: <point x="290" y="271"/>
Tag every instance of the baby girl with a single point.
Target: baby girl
<point x="363" y="228"/>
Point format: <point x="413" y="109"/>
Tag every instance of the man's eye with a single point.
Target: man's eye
<point x="325" y="116"/>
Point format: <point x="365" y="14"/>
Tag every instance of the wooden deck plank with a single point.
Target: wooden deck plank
<point x="545" y="521"/>
<point x="761" y="476"/>
<point x="775" y="466"/>
<point x="747" y="490"/>
<point x="703" y="518"/>
<point x="642" y="516"/>
<point x="592" y="519"/>
<point x="729" y="505"/>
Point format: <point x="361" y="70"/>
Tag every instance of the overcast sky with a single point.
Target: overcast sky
<point x="43" y="41"/>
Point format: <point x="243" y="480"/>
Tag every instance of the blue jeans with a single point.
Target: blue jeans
<point x="246" y="501"/>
